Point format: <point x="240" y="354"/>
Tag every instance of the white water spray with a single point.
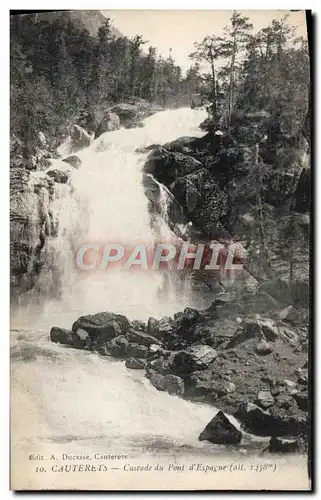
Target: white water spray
<point x="108" y="205"/>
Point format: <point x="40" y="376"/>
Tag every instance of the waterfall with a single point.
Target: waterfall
<point x="105" y="203"/>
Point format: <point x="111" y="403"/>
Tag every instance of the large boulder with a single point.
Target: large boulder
<point x="159" y="328"/>
<point x="79" y="340"/>
<point x="102" y="327"/>
<point x="169" y="383"/>
<point x="162" y="202"/>
<point x="207" y="387"/>
<point x="125" y="110"/>
<point x="135" y="364"/>
<point x="141" y="338"/>
<point x="221" y="431"/>
<point x="276" y="421"/>
<point x="193" y="358"/>
<point x="109" y="123"/>
<point x="80" y="139"/>
<point x="283" y="445"/>
<point x="73" y="160"/>
<point x="59" y="176"/>
<point x="166" y="167"/>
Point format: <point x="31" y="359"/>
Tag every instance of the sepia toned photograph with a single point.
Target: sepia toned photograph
<point x="160" y="243"/>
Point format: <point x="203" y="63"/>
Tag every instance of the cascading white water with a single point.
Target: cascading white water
<point x="108" y="205"/>
<point x="76" y="401"/>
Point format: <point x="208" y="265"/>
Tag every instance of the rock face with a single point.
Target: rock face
<point x="193" y="358"/>
<point x="79" y="137"/>
<point x="73" y="160"/>
<point x="78" y="340"/>
<point x="211" y="356"/>
<point x="169" y="383"/>
<point x="109" y="123"/>
<point x="102" y="327"/>
<point x="162" y="202"/>
<point x="220" y="431"/>
<point x="135" y="364"/>
<point x="166" y="167"/>
<point x="58" y="176"/>
<point x="31" y="223"/>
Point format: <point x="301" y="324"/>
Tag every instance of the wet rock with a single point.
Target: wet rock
<point x="79" y="137"/>
<point x="276" y="421"/>
<point x="162" y="202"/>
<point x="59" y="176"/>
<point x="138" y="325"/>
<point x="159" y="328"/>
<point x="206" y="386"/>
<point x="79" y="339"/>
<point x="161" y="365"/>
<point x="205" y="203"/>
<point x="125" y="112"/>
<point x="186" y="145"/>
<point x="135" y="364"/>
<point x="141" y="338"/>
<point x="221" y="431"/>
<point x="109" y="123"/>
<point x="73" y="160"/>
<point x="254" y="328"/>
<point x="193" y="358"/>
<point x="166" y="167"/>
<point x="265" y="399"/>
<point x="283" y="445"/>
<point x="120" y="347"/>
<point x="169" y="383"/>
<point x="103" y="326"/>
<point x="137" y="351"/>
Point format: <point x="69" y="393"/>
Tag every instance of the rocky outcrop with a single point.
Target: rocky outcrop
<point x="132" y="113"/>
<point x="166" y="167"/>
<point x="221" y="431"/>
<point x="109" y="123"/>
<point x="80" y="139"/>
<point x="73" y="160"/>
<point x="135" y="364"/>
<point x="168" y="383"/>
<point x="283" y="445"/>
<point x="162" y="203"/>
<point x="215" y="356"/>
<point x="59" y="176"/>
<point x="77" y="340"/>
<point x="205" y="203"/>
<point x="31" y="223"/>
<point x="191" y="359"/>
